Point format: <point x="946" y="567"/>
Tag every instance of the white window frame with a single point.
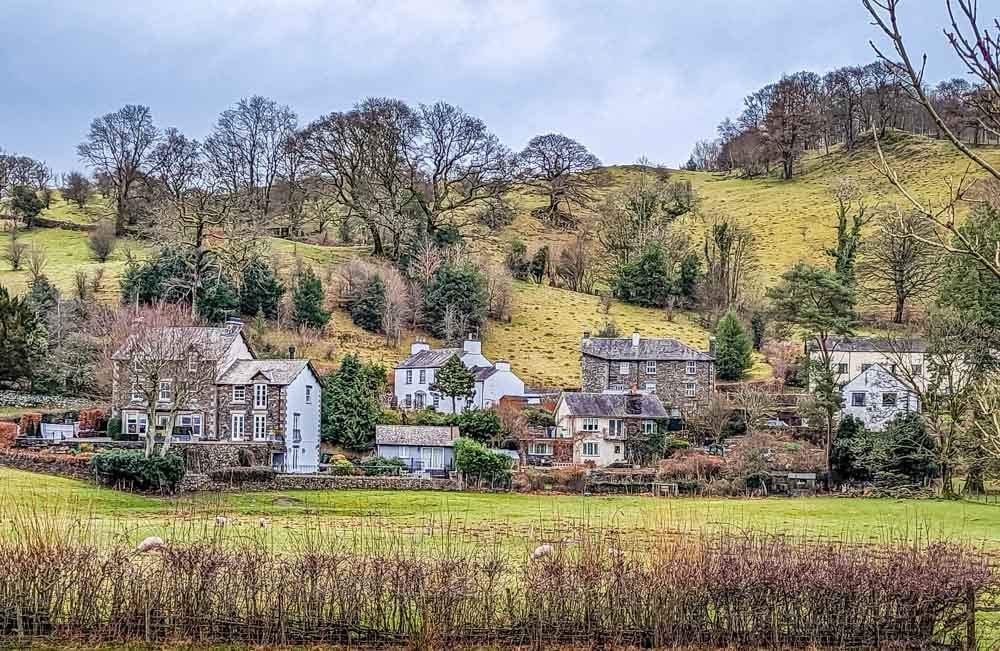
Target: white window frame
<point x="260" y="396"/>
<point x="135" y="393"/>
<point x="649" y="386"/>
<point x="692" y="367"/>
<point x="616" y="426"/>
<point x="617" y="387"/>
<point x="541" y="449"/>
<point x="590" y="424"/>
<point x="854" y="396"/>
<point x="239" y="393"/>
<point x="162" y="420"/>
<point x="238" y="433"/>
<point x="296" y="428"/>
<point x="409" y="376"/>
<point x="691" y="389"/>
<point x="166" y="388"/>
<point x="591" y="449"/>
<point x="624" y="368"/>
<point x="651" y="367"/>
<point x="139" y="420"/>
<point x="422" y="376"/>
<point x="260" y="427"/>
<point x="842" y="369"/>
<point x="649" y="427"/>
<point x="436" y="399"/>
<point x="408" y="401"/>
<point x="194" y="421"/>
<point x="309" y="394"/>
<point x="917" y="369"/>
<point x="895" y="398"/>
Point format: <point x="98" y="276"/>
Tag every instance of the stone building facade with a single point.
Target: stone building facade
<point x="682" y="377"/>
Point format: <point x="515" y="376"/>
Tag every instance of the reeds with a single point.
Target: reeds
<point x="61" y="579"/>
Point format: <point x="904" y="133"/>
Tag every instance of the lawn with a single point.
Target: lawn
<point x="515" y="520"/>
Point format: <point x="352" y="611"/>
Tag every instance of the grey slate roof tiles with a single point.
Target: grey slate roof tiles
<point x="426" y="435"/>
<point x="660" y="349"/>
<point x="613" y="405"/>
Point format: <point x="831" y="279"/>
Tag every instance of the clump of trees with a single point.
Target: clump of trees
<point x="351" y="403"/>
<point x="733" y="349"/>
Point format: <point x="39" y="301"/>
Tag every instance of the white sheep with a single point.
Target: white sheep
<point x="220" y="521"/>
<point x="541" y="552"/>
<point x="262" y="522"/>
<point x="151" y="544"/>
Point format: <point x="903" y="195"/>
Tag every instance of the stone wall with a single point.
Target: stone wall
<point x="202" y="456"/>
<point x="200" y="482"/>
<point x="594" y="373"/>
<point x="63" y="465"/>
<point x="277" y="396"/>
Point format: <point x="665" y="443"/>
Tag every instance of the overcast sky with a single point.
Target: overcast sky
<point x="627" y="79"/>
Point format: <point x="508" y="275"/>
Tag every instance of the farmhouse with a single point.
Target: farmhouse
<point x="602" y="426"/>
<point x="850" y="356"/>
<point x="219" y="391"/>
<point x="680" y="376"/>
<point x="876" y="396"/>
<point x="415" y="375"/>
<point x="424" y="449"/>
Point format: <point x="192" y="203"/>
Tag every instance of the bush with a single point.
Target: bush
<point x="102" y="240"/>
<point x="343" y="468"/>
<point x="367" y="310"/>
<point x="733" y="349"/>
<point x="115" y="427"/>
<point x="539" y="418"/>
<point x="476" y="463"/>
<point x="241" y="474"/>
<point x="379" y="466"/>
<point x="481" y="425"/>
<point x="133" y="470"/>
<point x="461" y="288"/>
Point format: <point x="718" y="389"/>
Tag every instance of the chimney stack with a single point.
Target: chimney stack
<point x="586" y="334"/>
<point x="419" y="345"/>
<point x="291" y="352"/>
<point x="472" y="344"/>
<point x="711" y="346"/>
<point x="502" y="365"/>
<point x="635" y="339"/>
<point x="233" y="326"/>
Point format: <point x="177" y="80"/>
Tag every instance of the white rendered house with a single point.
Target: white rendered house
<point x="415" y="375"/>
<point x="875" y="397"/>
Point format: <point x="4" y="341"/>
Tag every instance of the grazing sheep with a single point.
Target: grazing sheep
<point x="220" y="521"/>
<point x="262" y="522"/>
<point x="151" y="544"/>
<point x="541" y="551"/>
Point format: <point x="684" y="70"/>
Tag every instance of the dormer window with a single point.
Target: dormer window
<point x="260" y="396"/>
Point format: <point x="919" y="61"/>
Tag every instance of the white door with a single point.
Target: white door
<point x="426" y="457"/>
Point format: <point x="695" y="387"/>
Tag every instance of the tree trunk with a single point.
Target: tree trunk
<point x="900" y="304"/>
<point x="378" y="250"/>
<point x="120" y="215"/>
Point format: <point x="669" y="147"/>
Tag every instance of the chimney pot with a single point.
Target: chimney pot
<point x="291" y="352"/>
<point x="635" y="338"/>
<point x="586" y="334"/>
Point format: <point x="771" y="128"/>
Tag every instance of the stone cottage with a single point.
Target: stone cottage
<point x="602" y="426"/>
<point x="682" y="377"/>
<point x="239" y="398"/>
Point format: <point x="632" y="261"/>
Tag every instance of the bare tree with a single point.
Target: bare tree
<point x="900" y="269"/>
<point x="709" y="422"/>
<point x="987" y="416"/>
<point x="166" y="368"/>
<point x="102" y="240"/>
<point x="730" y="251"/>
<point x="76" y="188"/>
<point x="562" y="171"/>
<point x="756" y="402"/>
<point x="575" y="264"/>
<point x="38" y="259"/>
<point x="118" y="147"/>
<point x="977" y="47"/>
<point x="792" y="116"/>
<point x="15" y="250"/>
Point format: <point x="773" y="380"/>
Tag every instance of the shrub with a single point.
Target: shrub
<point x="115" y="427"/>
<point x="476" y="463"/>
<point x="732" y="349"/>
<point x="369" y="307"/>
<point x="690" y="464"/>
<point x="342" y="467"/>
<point x="29" y="424"/>
<point x="308" y="300"/>
<point x="133" y="470"/>
<point x="539" y="417"/>
<point x="101" y="241"/>
<point x="378" y="466"/>
<point x="481" y="425"/>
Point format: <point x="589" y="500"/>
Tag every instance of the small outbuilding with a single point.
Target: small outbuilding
<point x="423" y="449"/>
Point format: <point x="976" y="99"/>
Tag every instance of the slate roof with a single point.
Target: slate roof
<point x="426" y="435"/>
<point x="482" y="373"/>
<point x="276" y="371"/>
<point x="872" y="345"/>
<point x="612" y="405"/>
<point x="434" y="358"/>
<point x="621" y="348"/>
<point x="212" y="342"/>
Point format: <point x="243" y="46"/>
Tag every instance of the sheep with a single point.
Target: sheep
<point x="262" y="522"/>
<point x="541" y="551"/>
<point x="220" y="521"/>
<point x="151" y="544"/>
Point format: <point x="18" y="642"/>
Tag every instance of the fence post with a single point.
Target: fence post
<point x="970" y="619"/>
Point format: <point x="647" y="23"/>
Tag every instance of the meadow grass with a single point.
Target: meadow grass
<point x="521" y="520"/>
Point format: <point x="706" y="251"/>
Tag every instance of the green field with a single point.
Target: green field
<point x="516" y="520"/>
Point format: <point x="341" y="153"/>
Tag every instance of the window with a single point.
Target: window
<point x="238" y="429"/>
<point x="865" y="367"/>
<point x="191" y="420"/>
<point x="889" y="399"/>
<point x="616" y="427"/>
<point x="623" y="368"/>
<point x="408" y="400"/>
<point x="842" y="369"/>
<point x="260" y="396"/>
<point x="649" y="387"/>
<point x="309" y="394"/>
<point x="165" y="391"/>
<point x="135" y="423"/>
<point x="544" y="449"/>
<point x="423" y="376"/>
<point x="409" y="376"/>
<point x="419" y="399"/>
<point x="893" y="368"/>
<point x="858" y="399"/>
<point x="161" y="421"/>
<point x="239" y="393"/>
<point x="917" y="369"/>
<point x="589" y="424"/>
<point x="296" y="430"/>
<point x="618" y="448"/>
<point x="590" y="449"/>
<point x="649" y="427"/>
<point x="436" y="399"/>
<point x="617" y="387"/>
<point x="259" y="427"/>
<point x="690" y="389"/>
<point x="136" y="393"/>
<point x="692" y="368"/>
<point x="651" y="367"/>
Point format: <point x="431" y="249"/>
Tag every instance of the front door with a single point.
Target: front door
<point x="426" y="457"/>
